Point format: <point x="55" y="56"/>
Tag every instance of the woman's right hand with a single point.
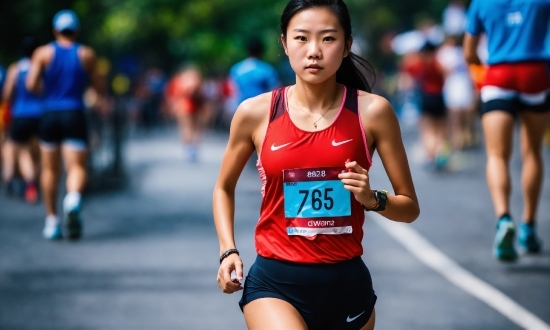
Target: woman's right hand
<point x="232" y="263"/>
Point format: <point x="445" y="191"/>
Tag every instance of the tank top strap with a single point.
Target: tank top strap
<point x="352" y="102"/>
<point x="277" y="103"/>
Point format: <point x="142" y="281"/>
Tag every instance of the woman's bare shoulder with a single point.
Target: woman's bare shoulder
<point x="374" y="106"/>
<point x="255" y="109"/>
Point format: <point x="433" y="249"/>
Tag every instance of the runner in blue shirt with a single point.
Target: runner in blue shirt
<point x="252" y="76"/>
<point x="26" y="110"/>
<point x="517" y="85"/>
<point x="66" y="67"/>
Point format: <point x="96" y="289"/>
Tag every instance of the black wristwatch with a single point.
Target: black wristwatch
<point x="381" y="197"/>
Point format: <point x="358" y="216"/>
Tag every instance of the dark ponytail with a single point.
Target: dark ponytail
<point x="354" y="70"/>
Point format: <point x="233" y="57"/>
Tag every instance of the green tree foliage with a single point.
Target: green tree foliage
<point x="208" y="33"/>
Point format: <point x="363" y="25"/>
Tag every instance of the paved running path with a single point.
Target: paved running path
<point x="148" y="259"/>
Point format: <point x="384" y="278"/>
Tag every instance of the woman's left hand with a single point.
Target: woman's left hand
<point x="356" y="180"/>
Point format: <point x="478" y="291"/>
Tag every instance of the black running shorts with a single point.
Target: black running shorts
<point x="433" y="105"/>
<point x="22" y="129"/>
<point x="513" y="102"/>
<point x="64" y="127"/>
<point x="328" y="296"/>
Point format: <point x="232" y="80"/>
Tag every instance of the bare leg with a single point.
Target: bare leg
<point x="35" y="155"/>
<point x="275" y="314"/>
<point x="26" y="163"/>
<point x="272" y="314"/>
<point x="51" y="169"/>
<point x="8" y="161"/>
<point x="440" y="133"/>
<point x="533" y="126"/>
<point x="75" y="164"/>
<point x="189" y="124"/>
<point x="433" y="132"/>
<point x="27" y="168"/>
<point x="371" y="322"/>
<point x="456" y="128"/>
<point x="498" y="129"/>
<point x="427" y="137"/>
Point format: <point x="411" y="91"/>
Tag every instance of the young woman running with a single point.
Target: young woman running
<point x="314" y="141"/>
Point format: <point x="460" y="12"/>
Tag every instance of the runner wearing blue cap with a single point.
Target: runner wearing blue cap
<point x="65" y="67"/>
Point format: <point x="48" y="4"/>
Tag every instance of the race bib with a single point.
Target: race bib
<point x="316" y="202"/>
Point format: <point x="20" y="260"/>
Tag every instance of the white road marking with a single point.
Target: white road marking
<point x="426" y="252"/>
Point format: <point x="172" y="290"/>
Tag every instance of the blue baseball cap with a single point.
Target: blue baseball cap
<point x="66" y="20"/>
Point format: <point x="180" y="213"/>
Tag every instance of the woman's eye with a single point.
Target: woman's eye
<point x="329" y="39"/>
<point x="301" y="38"/>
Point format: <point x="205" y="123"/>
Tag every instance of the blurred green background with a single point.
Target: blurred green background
<point x="208" y="33"/>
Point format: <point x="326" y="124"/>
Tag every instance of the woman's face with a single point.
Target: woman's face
<point x="315" y="44"/>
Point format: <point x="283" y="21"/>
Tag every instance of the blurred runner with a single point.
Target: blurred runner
<point x="458" y="92"/>
<point x="26" y="110"/>
<point x="428" y="74"/>
<point x="186" y="100"/>
<point x="516" y="86"/>
<point x="66" y="67"/>
<point x="454" y="18"/>
<point x="154" y="82"/>
<point x="252" y="76"/>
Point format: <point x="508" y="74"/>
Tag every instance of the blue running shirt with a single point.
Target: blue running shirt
<point x="253" y="77"/>
<point x="516" y="29"/>
<point x="65" y="80"/>
<point x="25" y="104"/>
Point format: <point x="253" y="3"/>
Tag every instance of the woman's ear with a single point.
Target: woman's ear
<point x="283" y="42"/>
<point x="349" y="43"/>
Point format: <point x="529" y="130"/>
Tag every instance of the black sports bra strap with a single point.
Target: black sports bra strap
<point x="277" y="103"/>
<point x="352" y="100"/>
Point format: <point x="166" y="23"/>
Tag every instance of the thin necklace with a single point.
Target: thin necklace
<point x="309" y="114"/>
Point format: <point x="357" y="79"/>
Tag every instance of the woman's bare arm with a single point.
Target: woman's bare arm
<point x="469" y="47"/>
<point x="40" y="58"/>
<point x="89" y="62"/>
<point x="247" y="120"/>
<point x="9" y="84"/>
<point x="382" y="127"/>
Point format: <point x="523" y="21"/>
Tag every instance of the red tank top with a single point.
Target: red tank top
<point x="292" y="159"/>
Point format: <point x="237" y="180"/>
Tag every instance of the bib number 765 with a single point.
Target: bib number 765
<point x="318" y="199"/>
<point x="310" y="196"/>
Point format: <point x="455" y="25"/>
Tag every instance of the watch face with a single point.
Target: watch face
<point x="382" y="198"/>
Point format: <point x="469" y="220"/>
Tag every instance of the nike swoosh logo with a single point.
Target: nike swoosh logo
<point x="335" y="144"/>
<point x="275" y="148"/>
<point x="351" y="319"/>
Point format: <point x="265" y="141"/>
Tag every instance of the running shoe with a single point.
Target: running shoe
<point x="11" y="188"/>
<point x="528" y="239"/>
<point x="441" y="161"/>
<point x="71" y="209"/>
<point x="31" y="193"/>
<point x="52" y="230"/>
<point x="504" y="240"/>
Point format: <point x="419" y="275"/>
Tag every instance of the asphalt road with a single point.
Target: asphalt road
<point x="148" y="258"/>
